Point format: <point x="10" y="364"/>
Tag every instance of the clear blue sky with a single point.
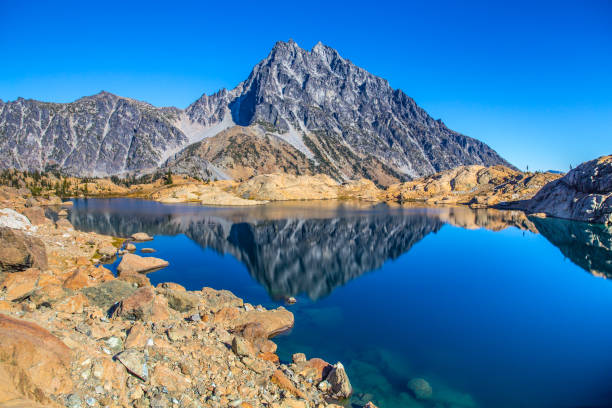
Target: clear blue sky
<point x="532" y="79"/>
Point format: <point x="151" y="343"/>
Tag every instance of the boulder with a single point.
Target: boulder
<point x="315" y="369"/>
<point x="107" y="251"/>
<point x="173" y="381"/>
<point x="19" y="251"/>
<point x="420" y="388"/>
<point x="109" y="293"/>
<point x="272" y="322"/>
<point x="35" y="363"/>
<point x="141" y="236"/>
<point x="279" y="378"/>
<point x="130" y="247"/>
<point x="180" y="300"/>
<point x="63" y="223"/>
<point x="72" y="304"/>
<point x="214" y="300"/>
<point x="12" y="219"/>
<point x="18" y="284"/>
<point x="298" y="358"/>
<point x="339" y="381"/>
<point x="138" y="279"/>
<point x="135" y="363"/>
<point x="137" y="337"/>
<point x="242" y="347"/>
<point x="131" y="263"/>
<point x="147" y="250"/>
<point x="144" y="305"/>
<point x="36" y="215"/>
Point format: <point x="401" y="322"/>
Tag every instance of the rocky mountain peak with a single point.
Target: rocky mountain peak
<point x="329" y="113"/>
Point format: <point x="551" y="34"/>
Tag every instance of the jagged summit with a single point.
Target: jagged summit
<point x="320" y="106"/>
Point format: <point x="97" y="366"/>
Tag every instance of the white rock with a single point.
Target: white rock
<point x="12" y="219"/>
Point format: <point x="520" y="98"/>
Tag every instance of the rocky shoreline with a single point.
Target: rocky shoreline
<point x="73" y="334"/>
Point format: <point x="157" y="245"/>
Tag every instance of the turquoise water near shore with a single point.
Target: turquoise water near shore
<point x="510" y="316"/>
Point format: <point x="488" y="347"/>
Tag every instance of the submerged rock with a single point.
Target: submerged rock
<point x="420" y="388"/>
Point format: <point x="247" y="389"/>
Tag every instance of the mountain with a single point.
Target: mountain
<point x="312" y="111"/>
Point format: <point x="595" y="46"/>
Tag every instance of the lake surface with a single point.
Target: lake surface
<point x="491" y="308"/>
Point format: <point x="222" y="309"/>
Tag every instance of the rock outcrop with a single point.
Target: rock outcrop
<point x="583" y="194"/>
<point x="477" y="186"/>
<point x="131" y="263"/>
<point x="282" y="187"/>
<point x="20" y="251"/>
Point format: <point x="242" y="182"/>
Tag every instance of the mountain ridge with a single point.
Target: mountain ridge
<point x="346" y="122"/>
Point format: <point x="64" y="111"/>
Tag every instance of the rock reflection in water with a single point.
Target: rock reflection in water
<point x="587" y="245"/>
<point x="293" y="248"/>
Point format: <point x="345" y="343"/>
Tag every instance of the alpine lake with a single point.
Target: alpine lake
<point x="491" y="308"/>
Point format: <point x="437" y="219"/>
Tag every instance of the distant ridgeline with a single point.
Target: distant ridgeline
<point x="298" y="112"/>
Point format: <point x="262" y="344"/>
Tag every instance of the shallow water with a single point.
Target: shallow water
<point x="491" y="308"/>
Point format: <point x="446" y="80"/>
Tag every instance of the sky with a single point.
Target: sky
<point x="531" y="79"/>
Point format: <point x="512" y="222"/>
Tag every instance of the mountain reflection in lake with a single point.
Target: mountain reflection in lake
<point x="292" y="248"/>
<point x="475" y="301"/>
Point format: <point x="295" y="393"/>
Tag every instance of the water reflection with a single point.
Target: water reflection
<point x="312" y="248"/>
<point x="588" y="246"/>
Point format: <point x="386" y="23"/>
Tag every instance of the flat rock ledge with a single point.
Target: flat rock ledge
<point x="132" y="263"/>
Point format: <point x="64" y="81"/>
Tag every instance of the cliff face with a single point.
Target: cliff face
<point x="96" y="135"/>
<point x="583" y="194"/>
<point x="314" y="111"/>
<point x="348" y="121"/>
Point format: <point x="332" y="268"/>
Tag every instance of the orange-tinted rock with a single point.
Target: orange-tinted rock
<point x="143" y="305"/>
<point x="18" y="284"/>
<point x="279" y="378"/>
<point x="272" y="321"/>
<point x="72" y="304"/>
<point x="39" y="363"/>
<point x="36" y="215"/>
<point x="20" y="251"/>
<point x="86" y="276"/>
<point x="137" y="336"/>
<point x="78" y="279"/>
<point x="226" y="315"/>
<point x="131" y="263"/>
<point x="139" y="279"/>
<point x="5" y="306"/>
<point x="315" y="368"/>
<point x="271" y="357"/>
<point x="171" y="286"/>
<point x="173" y="380"/>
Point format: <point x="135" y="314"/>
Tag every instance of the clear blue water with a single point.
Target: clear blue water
<point x="490" y="317"/>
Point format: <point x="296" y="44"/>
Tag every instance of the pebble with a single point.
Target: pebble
<point x="91" y="401"/>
